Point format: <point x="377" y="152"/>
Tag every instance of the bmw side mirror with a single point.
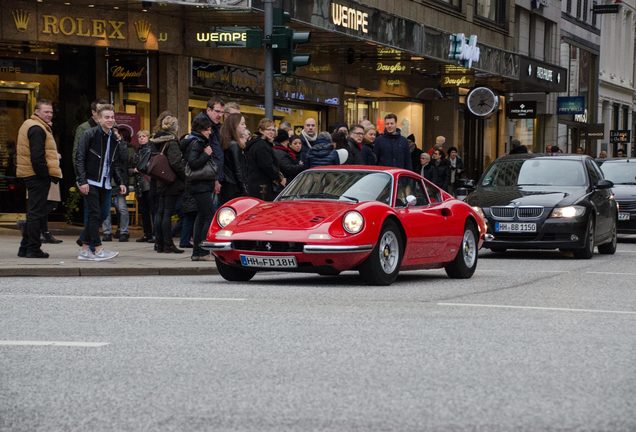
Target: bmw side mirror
<point x="604" y="184"/>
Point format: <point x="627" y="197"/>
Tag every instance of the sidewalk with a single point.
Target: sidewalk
<point x="134" y="259"/>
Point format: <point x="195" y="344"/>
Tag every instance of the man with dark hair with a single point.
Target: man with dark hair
<point x="214" y="112"/>
<point x="516" y="147"/>
<point x="356" y="134"/>
<point x="90" y="123"/>
<point x="96" y="162"/>
<point x="38" y="165"/>
<point x="391" y="148"/>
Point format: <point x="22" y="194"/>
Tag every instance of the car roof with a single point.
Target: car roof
<point x="566" y="156"/>
<point x="614" y="160"/>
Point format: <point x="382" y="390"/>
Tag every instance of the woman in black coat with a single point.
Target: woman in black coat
<point x="262" y="167"/>
<point x="288" y="160"/>
<point x="165" y="140"/>
<point x="233" y="143"/>
<point x="199" y="153"/>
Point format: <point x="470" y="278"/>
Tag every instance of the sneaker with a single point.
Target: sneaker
<point x="104" y="255"/>
<point x="107" y="237"/>
<point x="123" y="237"/>
<point x="85" y="255"/>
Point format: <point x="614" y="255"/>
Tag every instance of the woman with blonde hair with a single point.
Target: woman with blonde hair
<point x="165" y="140"/>
<point x="233" y="143"/>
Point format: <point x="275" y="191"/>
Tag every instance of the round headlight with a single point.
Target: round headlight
<point x="225" y="216"/>
<point x="353" y="222"/>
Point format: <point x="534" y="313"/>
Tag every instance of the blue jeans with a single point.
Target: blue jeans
<point x="122" y="211"/>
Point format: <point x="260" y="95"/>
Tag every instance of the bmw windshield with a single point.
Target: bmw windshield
<point x="535" y="172"/>
<point x="355" y="186"/>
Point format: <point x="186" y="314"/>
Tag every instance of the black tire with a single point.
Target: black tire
<point x="465" y="262"/>
<point x="609" y="248"/>
<point x="587" y="251"/>
<point x="383" y="265"/>
<point x="233" y="274"/>
<point x="498" y="250"/>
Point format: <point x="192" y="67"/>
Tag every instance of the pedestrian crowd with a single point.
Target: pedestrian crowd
<point x="190" y="174"/>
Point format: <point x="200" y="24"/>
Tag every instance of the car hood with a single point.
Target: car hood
<point x="624" y="192"/>
<point x="525" y="196"/>
<point x="293" y="215"/>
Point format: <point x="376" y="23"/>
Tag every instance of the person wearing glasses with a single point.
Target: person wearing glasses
<point x="215" y="112"/>
<point x="262" y="166"/>
<point x="356" y="136"/>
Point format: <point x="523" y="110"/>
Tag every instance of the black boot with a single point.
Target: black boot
<point x="47" y="237"/>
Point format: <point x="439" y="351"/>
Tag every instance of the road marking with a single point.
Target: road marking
<point x="53" y="343"/>
<point x="612" y="273"/>
<point x="539" y="308"/>
<point x="124" y="297"/>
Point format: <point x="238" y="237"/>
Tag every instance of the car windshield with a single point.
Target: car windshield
<point x="620" y="172"/>
<point x="535" y="172"/>
<point x="354" y="186"/>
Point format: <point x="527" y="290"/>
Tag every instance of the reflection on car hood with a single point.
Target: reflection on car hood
<point x="525" y="196"/>
<point x="294" y="215"/>
<point x="624" y="192"/>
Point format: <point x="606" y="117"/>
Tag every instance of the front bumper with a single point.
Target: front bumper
<point x="550" y="234"/>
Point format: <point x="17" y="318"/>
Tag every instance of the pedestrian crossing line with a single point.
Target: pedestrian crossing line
<point x="53" y="343"/>
<point x="539" y="308"/>
<point x="90" y="297"/>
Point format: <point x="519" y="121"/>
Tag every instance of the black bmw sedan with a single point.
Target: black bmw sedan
<point x="539" y="201"/>
<point x="622" y="172"/>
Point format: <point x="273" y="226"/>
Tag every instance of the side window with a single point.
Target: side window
<point x="433" y="193"/>
<point x="410" y="186"/>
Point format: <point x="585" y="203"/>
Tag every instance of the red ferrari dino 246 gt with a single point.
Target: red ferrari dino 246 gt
<point x="376" y="220"/>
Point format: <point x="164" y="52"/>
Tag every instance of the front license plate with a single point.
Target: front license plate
<point x="623" y="216"/>
<point x="515" y="227"/>
<point x="269" y="261"/>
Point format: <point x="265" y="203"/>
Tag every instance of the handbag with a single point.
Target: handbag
<point x="159" y="167"/>
<point x="206" y="172"/>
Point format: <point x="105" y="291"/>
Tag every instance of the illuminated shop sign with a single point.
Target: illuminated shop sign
<point x="463" y="49"/>
<point x="541" y="75"/>
<point x="521" y="109"/>
<point x="620" y="136"/>
<point x="131" y="71"/>
<point x="349" y="18"/>
<point x="223" y="37"/>
<point x="567" y="105"/>
<point x="457" y="76"/>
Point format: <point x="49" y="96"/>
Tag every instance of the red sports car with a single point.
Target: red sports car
<point x="376" y="220"/>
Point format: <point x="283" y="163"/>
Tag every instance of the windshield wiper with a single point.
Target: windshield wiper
<point x="354" y="199"/>
<point x="286" y="197"/>
<point x="534" y="184"/>
<point x="625" y="183"/>
<point x="320" y="195"/>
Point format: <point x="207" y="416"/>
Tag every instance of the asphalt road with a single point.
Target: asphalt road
<point x="535" y="341"/>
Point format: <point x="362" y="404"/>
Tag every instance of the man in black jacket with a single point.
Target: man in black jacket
<point x="215" y="112"/>
<point x="96" y="162"/>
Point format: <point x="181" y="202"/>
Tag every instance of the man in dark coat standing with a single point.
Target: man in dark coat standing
<point x="214" y="112"/>
<point x="391" y="148"/>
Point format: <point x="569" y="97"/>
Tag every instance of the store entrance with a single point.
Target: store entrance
<point x="17" y="101"/>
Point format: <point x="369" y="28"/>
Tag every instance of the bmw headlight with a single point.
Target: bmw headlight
<point x="568" y="212"/>
<point x="225" y="216"/>
<point x="353" y="222"/>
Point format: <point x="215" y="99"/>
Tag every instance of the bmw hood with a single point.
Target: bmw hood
<point x="292" y="215"/>
<point x="526" y="196"/>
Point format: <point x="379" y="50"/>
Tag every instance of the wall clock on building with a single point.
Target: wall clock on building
<point x="482" y="101"/>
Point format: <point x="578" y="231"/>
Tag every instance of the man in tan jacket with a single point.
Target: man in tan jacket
<point x="38" y="165"/>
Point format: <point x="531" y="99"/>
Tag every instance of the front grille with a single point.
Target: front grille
<point x="503" y="212"/>
<point x="529" y="212"/>
<point x="627" y="206"/>
<point x="267" y="246"/>
<point x="518" y="212"/>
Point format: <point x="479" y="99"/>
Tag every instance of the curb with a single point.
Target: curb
<point x="105" y="271"/>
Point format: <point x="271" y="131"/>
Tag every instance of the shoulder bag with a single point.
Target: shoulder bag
<point x="207" y="172"/>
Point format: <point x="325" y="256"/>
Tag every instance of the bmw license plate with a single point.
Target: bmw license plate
<point x="623" y="216"/>
<point x="268" y="261"/>
<point x="515" y="227"/>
